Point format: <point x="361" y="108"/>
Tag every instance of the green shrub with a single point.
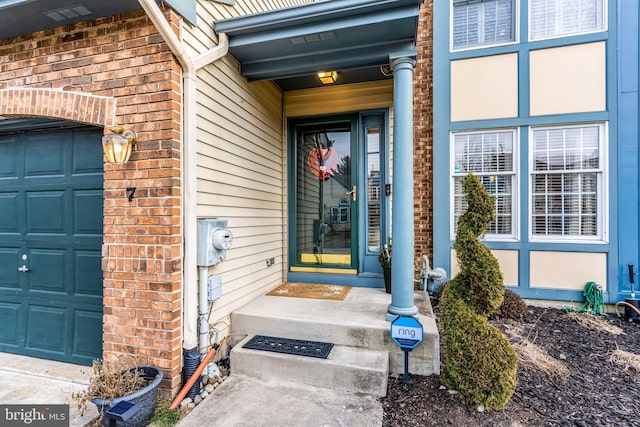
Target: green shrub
<point x="478" y="266"/>
<point x="480" y="362"/>
<point x="513" y="307"/>
<point x="436" y="296"/>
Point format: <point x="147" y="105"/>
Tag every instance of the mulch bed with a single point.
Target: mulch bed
<point x="569" y="373"/>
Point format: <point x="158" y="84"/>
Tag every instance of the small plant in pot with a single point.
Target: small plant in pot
<point x="385" y="263"/>
<point x="124" y="397"/>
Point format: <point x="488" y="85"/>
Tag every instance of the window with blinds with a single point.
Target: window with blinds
<point x="490" y="156"/>
<point x="567" y="181"/>
<point x="552" y="18"/>
<point x="480" y="23"/>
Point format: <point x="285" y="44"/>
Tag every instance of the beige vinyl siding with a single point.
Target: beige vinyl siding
<point x="240" y="162"/>
<point x="240" y="170"/>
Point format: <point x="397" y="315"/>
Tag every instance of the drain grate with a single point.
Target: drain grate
<point x="289" y="346"/>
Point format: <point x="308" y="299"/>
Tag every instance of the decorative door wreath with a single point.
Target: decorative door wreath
<point x="323" y="162"/>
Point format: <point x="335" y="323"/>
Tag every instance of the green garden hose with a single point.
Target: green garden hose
<point x="593" y="300"/>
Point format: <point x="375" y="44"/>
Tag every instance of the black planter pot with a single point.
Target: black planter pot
<point x="145" y="398"/>
<point x="386" y="272"/>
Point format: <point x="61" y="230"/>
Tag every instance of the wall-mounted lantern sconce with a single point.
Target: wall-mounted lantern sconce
<point x="328" y="77"/>
<point x="118" y="145"/>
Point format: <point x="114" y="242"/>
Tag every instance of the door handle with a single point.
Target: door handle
<point x="23" y="269"/>
<point x="353" y="193"/>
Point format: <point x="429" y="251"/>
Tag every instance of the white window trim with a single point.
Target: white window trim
<point x="516" y="29"/>
<point x="603" y="189"/>
<point x="515" y="198"/>
<point x="605" y="25"/>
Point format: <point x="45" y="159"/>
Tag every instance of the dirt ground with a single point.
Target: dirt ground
<point x="573" y="370"/>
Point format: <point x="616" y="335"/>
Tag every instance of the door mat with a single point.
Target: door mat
<point x="311" y="290"/>
<point x="288" y="346"/>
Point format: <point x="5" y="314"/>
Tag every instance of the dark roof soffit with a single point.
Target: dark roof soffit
<point x="336" y="35"/>
<point x="303" y="14"/>
<point x="21" y="17"/>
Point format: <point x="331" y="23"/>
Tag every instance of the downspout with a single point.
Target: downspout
<point x="190" y="66"/>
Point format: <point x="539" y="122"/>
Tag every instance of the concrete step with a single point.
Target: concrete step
<point x="358" y="321"/>
<point x="346" y="368"/>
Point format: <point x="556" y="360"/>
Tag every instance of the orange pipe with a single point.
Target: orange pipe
<point x="194" y="377"/>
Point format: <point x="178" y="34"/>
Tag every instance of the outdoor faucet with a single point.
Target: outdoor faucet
<point x="429" y="276"/>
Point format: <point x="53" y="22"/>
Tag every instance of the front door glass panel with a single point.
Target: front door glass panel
<point x="326" y="196"/>
<point x="373" y="189"/>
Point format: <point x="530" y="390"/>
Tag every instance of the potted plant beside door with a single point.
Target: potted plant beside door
<point x="385" y="263"/>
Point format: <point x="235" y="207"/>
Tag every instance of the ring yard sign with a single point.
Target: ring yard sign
<point x="406" y="332"/>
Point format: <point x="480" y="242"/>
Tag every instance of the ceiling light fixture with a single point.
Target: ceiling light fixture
<point x="328" y="77"/>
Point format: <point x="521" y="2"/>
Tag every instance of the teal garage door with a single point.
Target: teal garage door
<point x="51" y="201"/>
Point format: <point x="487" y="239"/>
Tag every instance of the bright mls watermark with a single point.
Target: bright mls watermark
<point x="34" y="415"/>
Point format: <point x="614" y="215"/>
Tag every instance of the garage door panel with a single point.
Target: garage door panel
<point x="9" y="316"/>
<point x="9" y="213"/>
<point x="87" y="216"/>
<point x="45" y="212"/>
<point x="8" y="157"/>
<point x="46" y="328"/>
<point x="51" y="203"/>
<point x="9" y="263"/>
<point x="87" y="326"/>
<point x="47" y="270"/>
<point x="45" y="155"/>
<point x="84" y="159"/>
<point x="88" y="273"/>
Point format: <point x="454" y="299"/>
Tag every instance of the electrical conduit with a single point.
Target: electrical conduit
<point x="196" y="375"/>
<point x="203" y="305"/>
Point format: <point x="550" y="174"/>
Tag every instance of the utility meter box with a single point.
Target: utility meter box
<point x="213" y="241"/>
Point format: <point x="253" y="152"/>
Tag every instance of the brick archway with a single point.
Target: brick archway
<point x="58" y="104"/>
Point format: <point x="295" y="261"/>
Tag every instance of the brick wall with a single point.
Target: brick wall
<point x="423" y="134"/>
<point x="118" y="69"/>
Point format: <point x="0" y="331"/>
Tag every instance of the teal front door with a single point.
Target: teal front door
<point x="51" y="204"/>
<point x="339" y="209"/>
<point x="326" y="197"/>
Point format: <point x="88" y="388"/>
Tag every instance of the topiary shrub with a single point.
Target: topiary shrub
<point x="480" y="362"/>
<point x="513" y="306"/>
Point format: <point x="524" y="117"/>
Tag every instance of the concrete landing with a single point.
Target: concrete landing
<point x="271" y="389"/>
<point x="29" y="380"/>
<point x="245" y="402"/>
<point x="358" y="321"/>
